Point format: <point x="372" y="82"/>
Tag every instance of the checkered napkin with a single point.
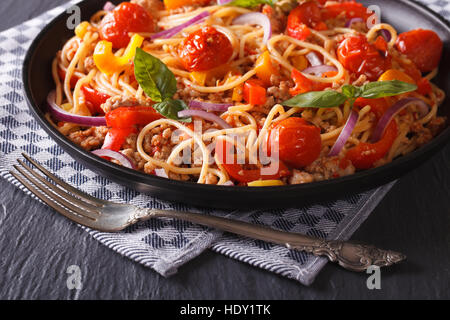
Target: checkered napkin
<point x="165" y="244"/>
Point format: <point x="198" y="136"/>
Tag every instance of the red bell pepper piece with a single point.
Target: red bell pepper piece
<point x="320" y="86"/>
<point x="302" y="83"/>
<point x="94" y="99"/>
<point x="254" y="92"/>
<point x="381" y="45"/>
<point x="237" y="172"/>
<point x="126" y="117"/>
<point x="116" y="137"/>
<point x="73" y="80"/>
<point x="377" y="106"/>
<point x="364" y="155"/>
<point x="424" y="86"/>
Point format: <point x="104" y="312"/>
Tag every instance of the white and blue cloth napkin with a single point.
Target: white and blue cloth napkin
<point x="164" y="244"/>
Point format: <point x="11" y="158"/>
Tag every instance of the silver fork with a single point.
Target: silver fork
<point x="112" y="217"/>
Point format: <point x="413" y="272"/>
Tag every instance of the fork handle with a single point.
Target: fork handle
<point x="351" y="256"/>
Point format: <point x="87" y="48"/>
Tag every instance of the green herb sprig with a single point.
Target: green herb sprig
<point x="332" y="98"/>
<point x="159" y="83"/>
<point x="250" y="3"/>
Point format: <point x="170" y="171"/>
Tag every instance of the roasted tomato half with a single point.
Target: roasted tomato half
<point x="423" y="47"/>
<point x="126" y="17"/>
<point x="303" y="17"/>
<point x="205" y="49"/>
<point x="351" y="9"/>
<point x="363" y="58"/>
<point x="298" y="142"/>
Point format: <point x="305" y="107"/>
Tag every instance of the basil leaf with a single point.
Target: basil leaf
<point x="381" y="89"/>
<point x="316" y="99"/>
<point x="250" y="3"/>
<point x="169" y="108"/>
<point x="157" y="81"/>
<point x="351" y="91"/>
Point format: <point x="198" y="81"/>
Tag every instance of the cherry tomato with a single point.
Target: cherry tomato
<point x="377" y="106"/>
<point x="205" y="49"/>
<point x="423" y="47"/>
<point x="94" y="99"/>
<point x="237" y="172"/>
<point x="361" y="57"/>
<point x="351" y="9"/>
<point x="298" y="142"/>
<point x="126" y="117"/>
<point x="126" y="17"/>
<point x="364" y="155"/>
<point x="305" y="16"/>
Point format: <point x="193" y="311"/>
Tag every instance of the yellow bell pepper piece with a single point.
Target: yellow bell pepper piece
<point x="264" y="68"/>
<point x="265" y="183"/>
<point x="199" y="77"/>
<point x="174" y="4"/>
<point x="237" y="93"/>
<point x="66" y="106"/>
<point x="81" y="29"/>
<point x="108" y="63"/>
<point x="394" y="74"/>
<point x="299" y="62"/>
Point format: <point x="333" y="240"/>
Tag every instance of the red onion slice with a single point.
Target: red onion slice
<point x="259" y="19"/>
<point x="345" y="134"/>
<point x="219" y="107"/>
<point x="161" y="173"/>
<point x="173" y="31"/>
<point x="319" y="70"/>
<point x="228" y="183"/>
<point x="222" y="2"/>
<point x="205" y="115"/>
<point x="109" y="6"/>
<point x="314" y="59"/>
<point x="349" y="23"/>
<point x="124" y="160"/>
<point x="62" y="115"/>
<point x="386" y="35"/>
<point x="392" y="111"/>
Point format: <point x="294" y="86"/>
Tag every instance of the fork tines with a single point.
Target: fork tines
<point x="70" y="202"/>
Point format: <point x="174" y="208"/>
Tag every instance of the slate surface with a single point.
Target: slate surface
<point x="37" y="246"/>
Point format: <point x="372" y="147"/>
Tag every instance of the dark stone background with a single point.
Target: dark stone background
<point x="37" y="245"/>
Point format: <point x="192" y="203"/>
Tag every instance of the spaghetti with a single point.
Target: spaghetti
<point x="311" y="49"/>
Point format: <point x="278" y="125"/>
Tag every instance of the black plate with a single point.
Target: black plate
<point x="402" y="14"/>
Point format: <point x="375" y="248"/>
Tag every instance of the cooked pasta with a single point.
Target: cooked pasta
<point x="245" y="74"/>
